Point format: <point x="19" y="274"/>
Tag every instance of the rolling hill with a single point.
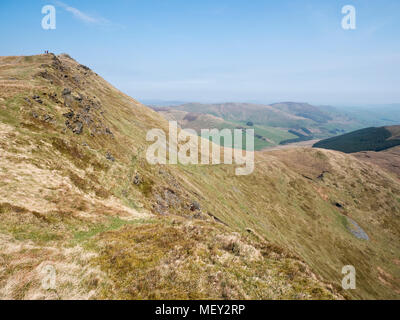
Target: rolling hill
<point x="265" y="136"/>
<point x="77" y="193"/>
<point x="374" y="115"/>
<point x="368" y="139"/>
<point x="275" y="124"/>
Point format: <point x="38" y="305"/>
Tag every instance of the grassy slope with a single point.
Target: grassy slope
<point x="63" y="202"/>
<point x="388" y="159"/>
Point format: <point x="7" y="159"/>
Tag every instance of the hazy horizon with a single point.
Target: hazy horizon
<point x="162" y="102"/>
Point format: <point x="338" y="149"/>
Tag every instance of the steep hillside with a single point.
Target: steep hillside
<point x="77" y="193"/>
<point x="369" y="139"/>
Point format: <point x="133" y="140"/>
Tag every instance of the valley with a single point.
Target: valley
<point x="274" y="125"/>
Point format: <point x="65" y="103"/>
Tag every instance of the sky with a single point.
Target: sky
<point x="221" y="50"/>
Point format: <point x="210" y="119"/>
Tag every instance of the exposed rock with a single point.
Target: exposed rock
<point x="79" y="98"/>
<point x="199" y="215"/>
<point x="110" y="157"/>
<point x="69" y="114"/>
<point x="66" y="92"/>
<point x="47" y="118"/>
<point x="45" y="75"/>
<point x="68" y="98"/>
<point x="137" y="179"/>
<point x="78" y="127"/>
<point x="160" y="208"/>
<point x="172" y="182"/>
<point x="171" y="198"/>
<point x="165" y="201"/>
<point x="56" y="64"/>
<point x="37" y="99"/>
<point x="84" y="67"/>
<point x="75" y="126"/>
<point x="194" y="206"/>
<point x="84" y="117"/>
<point x="76" y="79"/>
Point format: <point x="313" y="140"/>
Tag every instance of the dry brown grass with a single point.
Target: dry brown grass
<point x="23" y="263"/>
<point x="198" y="261"/>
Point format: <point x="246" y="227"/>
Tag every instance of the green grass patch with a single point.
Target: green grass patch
<point x="114" y="223"/>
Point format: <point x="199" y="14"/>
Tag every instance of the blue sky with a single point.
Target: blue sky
<point x="221" y="50"/>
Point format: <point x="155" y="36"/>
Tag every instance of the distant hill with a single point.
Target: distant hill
<point x="285" y="114"/>
<point x="276" y="124"/>
<point x="374" y="115"/>
<point x="193" y="120"/>
<point x="369" y="139"/>
<point x="304" y="110"/>
<point x="161" y="103"/>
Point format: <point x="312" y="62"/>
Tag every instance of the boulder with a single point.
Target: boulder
<point x="78" y="127"/>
